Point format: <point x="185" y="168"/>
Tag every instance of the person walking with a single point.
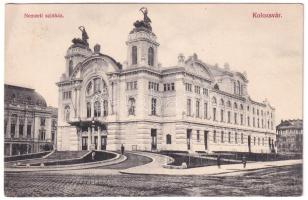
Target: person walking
<point x="218" y="161"/>
<point x="244" y="161"/>
<point x="122" y="149"/>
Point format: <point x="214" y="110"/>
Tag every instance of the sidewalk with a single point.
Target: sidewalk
<point x="155" y="167"/>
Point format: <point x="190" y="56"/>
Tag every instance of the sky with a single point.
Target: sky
<point x="269" y="50"/>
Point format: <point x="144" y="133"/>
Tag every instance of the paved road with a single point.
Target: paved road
<point x="132" y="160"/>
<point x="279" y="181"/>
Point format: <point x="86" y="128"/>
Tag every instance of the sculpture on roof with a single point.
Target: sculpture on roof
<point x="146" y="22"/>
<point x="84" y="37"/>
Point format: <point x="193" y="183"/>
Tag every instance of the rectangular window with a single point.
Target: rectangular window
<point x="13" y="130"/>
<point x="43" y="121"/>
<point x="172" y="87"/>
<point x="168" y="139"/>
<point x="205" y="110"/>
<point x="21" y="130"/>
<point x="197" y="108"/>
<point x="229" y="137"/>
<point x="222" y="137"/>
<point x="188" y="87"/>
<point x="214" y="114"/>
<point x="221" y="115"/>
<point x="188" y="107"/>
<point x="214" y="136"/>
<point x="235" y="118"/>
<point x="248" y="121"/>
<point x="242" y="138"/>
<point x="197" y="89"/>
<point x="131" y="85"/>
<point x="229" y="117"/>
<point x="29" y="130"/>
<point x="198" y="135"/>
<point x="235" y="138"/>
<point x="241" y="119"/>
<point x="153" y="106"/>
<point x="205" y="92"/>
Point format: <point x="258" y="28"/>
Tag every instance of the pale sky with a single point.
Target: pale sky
<point x="269" y="50"/>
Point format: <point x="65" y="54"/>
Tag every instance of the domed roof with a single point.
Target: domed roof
<point x="23" y="96"/>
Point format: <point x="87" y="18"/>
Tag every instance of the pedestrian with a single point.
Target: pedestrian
<point x="244" y="161"/>
<point x="122" y="149"/>
<point x="93" y="155"/>
<point x="218" y="161"/>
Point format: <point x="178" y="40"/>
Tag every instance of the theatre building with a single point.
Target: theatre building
<point x="190" y="106"/>
<point x="29" y="124"/>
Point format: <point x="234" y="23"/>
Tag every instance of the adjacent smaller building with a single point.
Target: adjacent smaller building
<point x="290" y="136"/>
<point x="29" y="125"/>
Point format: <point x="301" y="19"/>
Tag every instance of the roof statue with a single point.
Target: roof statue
<point x="146" y="22"/>
<point x="84" y="37"/>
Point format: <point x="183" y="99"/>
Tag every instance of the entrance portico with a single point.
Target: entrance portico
<point x="92" y="134"/>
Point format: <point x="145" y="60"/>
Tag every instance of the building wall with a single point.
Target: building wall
<point x="139" y="82"/>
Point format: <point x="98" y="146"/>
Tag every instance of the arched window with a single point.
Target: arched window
<point x="131" y="106"/>
<point x="222" y="102"/>
<point x="97" y="85"/>
<point x="89" y="88"/>
<point x="97" y="109"/>
<point x="235" y="105"/>
<point x="70" y="67"/>
<point x="168" y="139"/>
<point x="88" y="109"/>
<point x="134" y="55"/>
<point x="229" y="104"/>
<point x="151" y="56"/>
<point x="67" y="113"/>
<point x="214" y="101"/>
<point x="105" y="107"/>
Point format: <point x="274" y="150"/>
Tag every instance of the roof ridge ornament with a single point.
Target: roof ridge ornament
<point x="144" y="24"/>
<point x="84" y="37"/>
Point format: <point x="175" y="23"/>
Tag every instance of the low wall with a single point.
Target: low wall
<point x="26" y="156"/>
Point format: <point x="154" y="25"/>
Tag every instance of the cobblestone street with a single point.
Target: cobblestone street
<point x="279" y="181"/>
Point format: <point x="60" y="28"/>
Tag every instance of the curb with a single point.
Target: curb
<point x="120" y="158"/>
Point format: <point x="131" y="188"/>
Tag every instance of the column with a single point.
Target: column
<point x="17" y="127"/>
<point x="10" y="149"/>
<point x="75" y="103"/>
<point x="78" y="102"/>
<point x="89" y="138"/>
<point x="25" y="127"/>
<point x="92" y="135"/>
<point x="55" y="141"/>
<point x="98" y="138"/>
<point x="8" y="128"/>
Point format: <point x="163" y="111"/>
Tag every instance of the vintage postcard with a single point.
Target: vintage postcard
<point x="153" y="100"/>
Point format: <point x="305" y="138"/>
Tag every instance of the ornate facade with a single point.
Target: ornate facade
<point x="290" y="136"/>
<point x="192" y="106"/>
<point x="29" y="125"/>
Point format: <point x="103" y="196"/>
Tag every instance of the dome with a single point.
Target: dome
<point x="23" y="96"/>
